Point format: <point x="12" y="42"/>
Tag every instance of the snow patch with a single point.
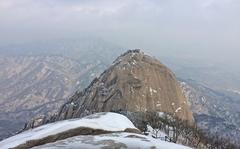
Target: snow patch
<point x="152" y="91"/>
<point x="178" y="109"/>
<point x="156" y="133"/>
<point x="234" y="91"/>
<point x="203" y="99"/>
<point x="161" y="114"/>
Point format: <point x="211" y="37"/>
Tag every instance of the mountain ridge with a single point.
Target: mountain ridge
<point x="134" y="82"/>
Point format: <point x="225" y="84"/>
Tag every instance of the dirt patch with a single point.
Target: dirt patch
<point x="135" y="136"/>
<point x="95" y="116"/>
<point x="133" y="130"/>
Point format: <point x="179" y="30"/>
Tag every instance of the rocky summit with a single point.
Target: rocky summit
<point x="135" y="82"/>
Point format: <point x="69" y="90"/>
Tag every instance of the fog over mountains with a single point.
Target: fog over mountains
<point x="200" y="31"/>
<point x="204" y="28"/>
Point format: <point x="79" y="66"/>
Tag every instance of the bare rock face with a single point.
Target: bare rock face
<point x="135" y="82"/>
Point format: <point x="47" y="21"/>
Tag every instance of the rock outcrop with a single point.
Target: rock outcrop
<point x="101" y="130"/>
<point x="135" y="82"/>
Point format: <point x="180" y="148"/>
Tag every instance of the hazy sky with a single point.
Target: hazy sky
<point x="189" y="26"/>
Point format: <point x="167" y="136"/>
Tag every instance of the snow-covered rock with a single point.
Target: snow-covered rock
<point x="112" y="140"/>
<point x="107" y="121"/>
<point x="118" y="132"/>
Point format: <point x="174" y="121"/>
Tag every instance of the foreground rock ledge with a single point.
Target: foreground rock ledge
<point x="99" y="123"/>
<point x="100" y="130"/>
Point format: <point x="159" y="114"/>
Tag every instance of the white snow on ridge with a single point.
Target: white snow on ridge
<point x="178" y="109"/>
<point x="234" y="91"/>
<point x="106" y="121"/>
<point x="113" y="140"/>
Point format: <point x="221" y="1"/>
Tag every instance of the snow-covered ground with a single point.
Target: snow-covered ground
<point x="113" y="140"/>
<point x="106" y="121"/>
<point x="156" y="133"/>
<point x="116" y="123"/>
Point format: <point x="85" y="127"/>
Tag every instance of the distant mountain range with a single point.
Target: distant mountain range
<point x="36" y="79"/>
<point x="216" y="112"/>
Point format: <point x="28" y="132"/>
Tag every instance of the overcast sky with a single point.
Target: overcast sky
<point x="194" y="26"/>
